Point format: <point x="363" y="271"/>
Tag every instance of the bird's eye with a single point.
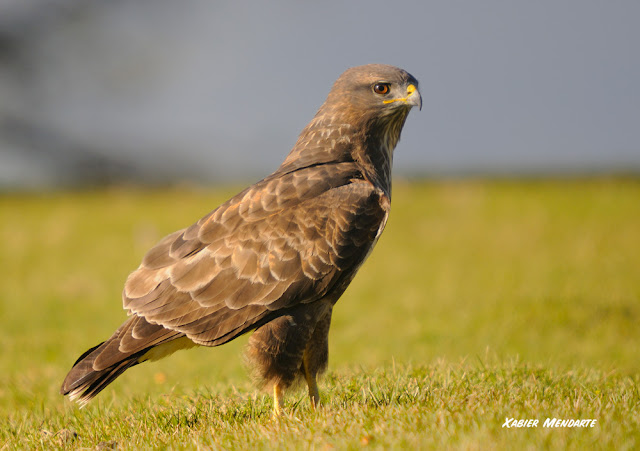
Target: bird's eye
<point x="381" y="88"/>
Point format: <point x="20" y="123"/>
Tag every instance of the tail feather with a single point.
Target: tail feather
<point x="93" y="383"/>
<point x="102" y="364"/>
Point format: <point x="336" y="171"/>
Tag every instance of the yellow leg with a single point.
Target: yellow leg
<point x="277" y="400"/>
<point x="314" y="394"/>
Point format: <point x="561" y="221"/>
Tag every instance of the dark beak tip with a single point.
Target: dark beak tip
<point x="418" y="101"/>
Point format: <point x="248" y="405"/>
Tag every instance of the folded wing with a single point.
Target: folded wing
<point x="285" y="240"/>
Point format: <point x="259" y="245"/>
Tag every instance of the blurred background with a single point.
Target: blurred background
<point x="514" y="229"/>
<point x="95" y="91"/>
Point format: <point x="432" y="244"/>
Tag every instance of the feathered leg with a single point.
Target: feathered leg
<point x="277" y="351"/>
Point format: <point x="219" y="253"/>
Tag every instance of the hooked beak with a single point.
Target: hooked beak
<point x="412" y="98"/>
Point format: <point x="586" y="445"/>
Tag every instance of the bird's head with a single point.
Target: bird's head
<point x="374" y="89"/>
<point x="361" y="119"/>
<point x="374" y="99"/>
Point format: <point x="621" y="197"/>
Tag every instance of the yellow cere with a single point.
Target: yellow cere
<point x="410" y="90"/>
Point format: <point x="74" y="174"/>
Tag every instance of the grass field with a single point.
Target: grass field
<point x="483" y="300"/>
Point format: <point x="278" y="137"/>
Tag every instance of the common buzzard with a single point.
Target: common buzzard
<point x="276" y="257"/>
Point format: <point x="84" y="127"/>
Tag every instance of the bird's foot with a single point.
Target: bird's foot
<point x="277" y="401"/>
<point x="314" y="393"/>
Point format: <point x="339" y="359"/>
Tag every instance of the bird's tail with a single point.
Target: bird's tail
<point x="134" y="342"/>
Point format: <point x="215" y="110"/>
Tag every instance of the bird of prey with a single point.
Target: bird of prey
<point x="275" y="258"/>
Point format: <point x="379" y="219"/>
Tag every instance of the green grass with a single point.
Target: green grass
<point x="483" y="300"/>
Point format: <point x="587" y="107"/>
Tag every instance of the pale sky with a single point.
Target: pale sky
<point x="217" y="90"/>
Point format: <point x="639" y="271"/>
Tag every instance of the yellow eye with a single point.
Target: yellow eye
<point x="381" y="88"/>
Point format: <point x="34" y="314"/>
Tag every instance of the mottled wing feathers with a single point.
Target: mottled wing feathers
<point x="284" y="241"/>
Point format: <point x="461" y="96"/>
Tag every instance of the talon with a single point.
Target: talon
<point x="314" y="393"/>
<point x="314" y="396"/>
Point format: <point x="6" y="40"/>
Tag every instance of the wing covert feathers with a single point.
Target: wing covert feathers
<point x="283" y="241"/>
